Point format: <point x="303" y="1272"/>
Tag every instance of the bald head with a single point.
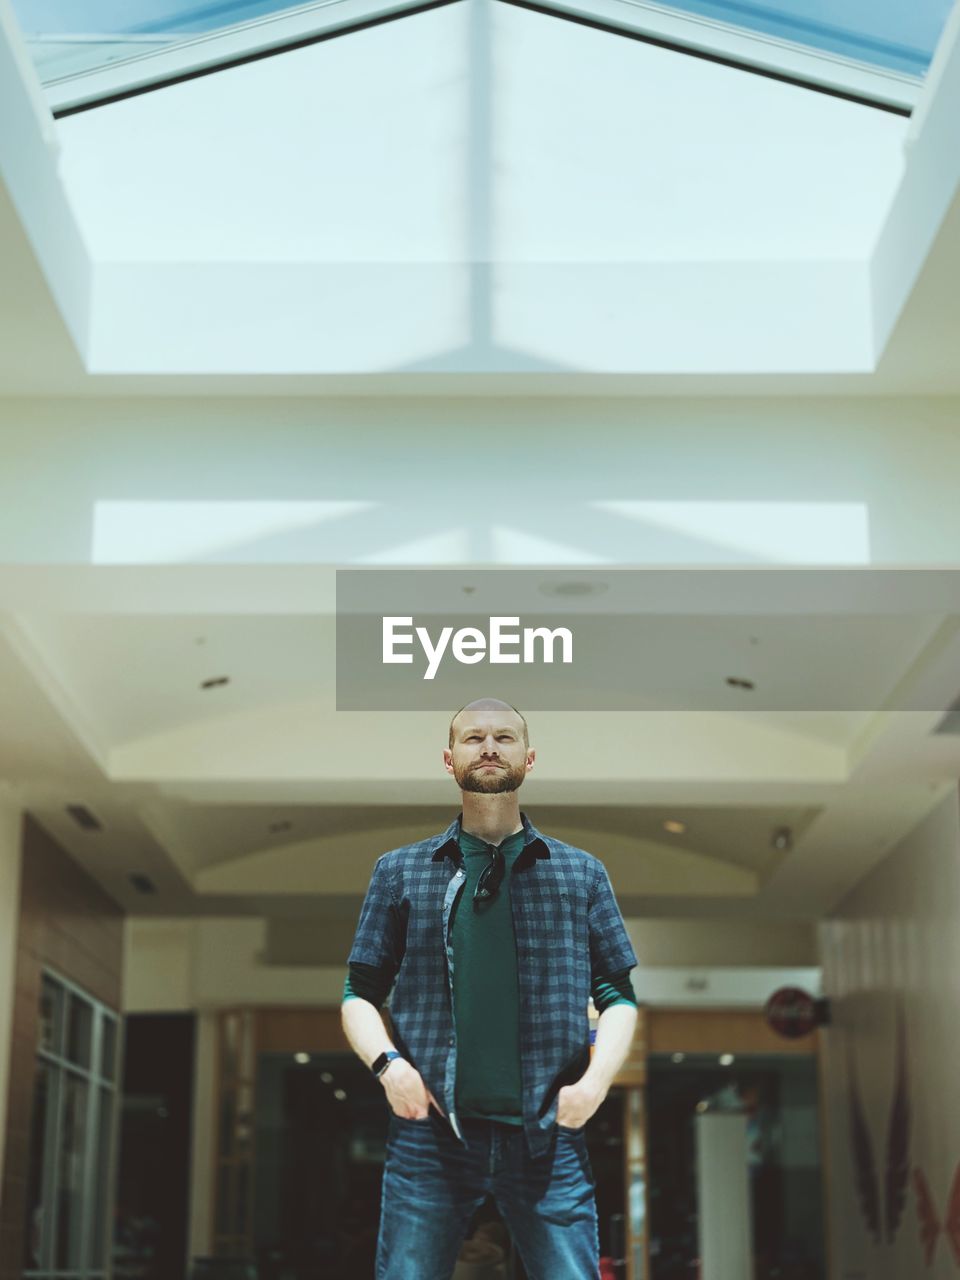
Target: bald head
<point x="487" y="707"/>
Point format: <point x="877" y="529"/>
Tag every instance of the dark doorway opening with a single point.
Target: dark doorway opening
<point x="778" y="1097"/>
<point x="154" y="1153"/>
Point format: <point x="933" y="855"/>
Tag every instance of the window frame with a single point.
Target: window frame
<point x="100" y="1089"/>
<point x="643" y="19"/>
<point x="214" y="51"/>
<point x="748" y="50"/>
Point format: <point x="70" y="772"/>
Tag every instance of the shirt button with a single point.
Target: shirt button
<point x="450" y="1041"/>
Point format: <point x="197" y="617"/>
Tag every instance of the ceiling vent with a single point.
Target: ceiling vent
<point x="84" y="818"/>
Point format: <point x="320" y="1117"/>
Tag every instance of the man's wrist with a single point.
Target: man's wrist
<point x="383" y="1060"/>
<point x="595" y="1082"/>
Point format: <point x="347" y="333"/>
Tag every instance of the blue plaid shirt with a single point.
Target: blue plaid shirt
<point x="568" y="930"/>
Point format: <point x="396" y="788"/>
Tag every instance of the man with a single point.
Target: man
<point x="496" y="936"/>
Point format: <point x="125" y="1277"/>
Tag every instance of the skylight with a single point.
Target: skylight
<point x="93" y="50"/>
<point x="66" y="40"/>
<point x="875" y="51"/>
<point x="882" y="33"/>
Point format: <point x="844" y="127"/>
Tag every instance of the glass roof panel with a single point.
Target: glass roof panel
<point x="86" y="50"/>
<point x="66" y="39"/>
<point x="898" y="35"/>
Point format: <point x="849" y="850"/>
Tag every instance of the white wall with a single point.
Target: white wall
<point x="894" y="944"/>
<point x="709" y="481"/>
<point x="211" y="963"/>
<point x="29" y="176"/>
<point x="10" y="855"/>
<point x="748" y="943"/>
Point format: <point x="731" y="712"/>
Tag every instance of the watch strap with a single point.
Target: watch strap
<point x="380" y="1064"/>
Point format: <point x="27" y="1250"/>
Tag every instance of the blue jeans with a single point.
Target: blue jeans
<point x="432" y="1185"/>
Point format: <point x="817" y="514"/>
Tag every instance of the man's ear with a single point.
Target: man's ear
<point x="531" y="756"/>
<point x="448" y="759"/>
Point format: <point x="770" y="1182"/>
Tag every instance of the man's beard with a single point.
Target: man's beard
<point x="489" y="782"/>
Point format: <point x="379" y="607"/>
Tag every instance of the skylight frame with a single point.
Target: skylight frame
<point x="212" y="51"/>
<point x="643" y="19"/>
<point x="750" y="50"/>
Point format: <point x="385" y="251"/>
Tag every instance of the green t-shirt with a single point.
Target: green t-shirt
<point x="486" y="994"/>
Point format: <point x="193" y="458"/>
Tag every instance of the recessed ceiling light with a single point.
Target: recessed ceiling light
<point x="674" y="827"/>
<point x="215" y="682"/>
<point x="572" y="588"/>
<point x="737" y="682"/>
<point x="84" y="819"/>
<point x="726" y="1059"/>
<point x="782" y="838"/>
<point x="677" y="1057"/>
<point x="301" y="1058"/>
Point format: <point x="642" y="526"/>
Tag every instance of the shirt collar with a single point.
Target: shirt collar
<point x="448" y="842"/>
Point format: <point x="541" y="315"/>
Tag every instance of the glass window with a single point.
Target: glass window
<point x="90" y="50"/>
<point x="103" y="1162"/>
<point x="50" y="1021"/>
<point x="44" y="1109"/>
<point x="68" y="39"/>
<point x="881" y="33"/>
<point x="108" y="1048"/>
<point x="79" y="1030"/>
<point x="70" y="1182"/>
<point x="68" y="1171"/>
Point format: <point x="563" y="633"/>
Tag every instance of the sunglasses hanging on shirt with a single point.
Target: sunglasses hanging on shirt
<point x="491" y="876"/>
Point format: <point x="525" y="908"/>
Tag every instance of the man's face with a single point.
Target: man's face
<point x="488" y="754"/>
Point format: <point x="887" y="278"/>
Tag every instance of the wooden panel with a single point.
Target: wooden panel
<point x="301" y="1031"/>
<point x="234" y="1156"/>
<point x="67" y="922"/>
<point x="635" y="1176"/>
<point x="718" y="1031"/>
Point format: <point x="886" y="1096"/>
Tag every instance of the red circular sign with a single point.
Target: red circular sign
<point x="791" y="1012"/>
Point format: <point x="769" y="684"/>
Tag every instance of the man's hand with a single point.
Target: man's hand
<point x="408" y="1096"/>
<point x="576" y="1103"/>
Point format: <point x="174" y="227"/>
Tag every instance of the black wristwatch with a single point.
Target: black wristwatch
<point x="380" y="1064"/>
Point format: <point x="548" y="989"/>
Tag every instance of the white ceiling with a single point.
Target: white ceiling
<point x="107" y="711"/>
<point x="99" y="700"/>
